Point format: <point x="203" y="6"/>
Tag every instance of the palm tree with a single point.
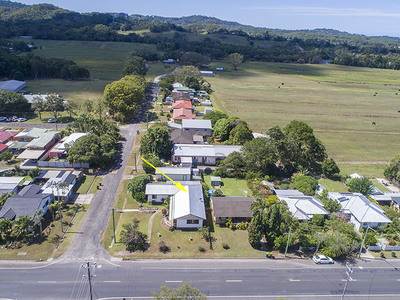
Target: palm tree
<point x="38" y="217"/>
<point x="22" y="226"/>
<point x="5" y="226"/>
<point x="53" y="207"/>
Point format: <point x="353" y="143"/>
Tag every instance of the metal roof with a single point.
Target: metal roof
<point x="232" y="207"/>
<point x="196" y="124"/>
<point x="190" y="203"/>
<point x="12" y="85"/>
<point x="160" y="189"/>
<point x="174" y="171"/>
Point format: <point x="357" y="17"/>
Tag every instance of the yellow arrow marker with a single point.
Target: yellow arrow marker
<point x="178" y="185"/>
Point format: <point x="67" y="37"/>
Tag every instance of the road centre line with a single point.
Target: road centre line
<point x="47" y="281"/>
<point x="171" y="281"/>
<point x="294" y="279"/>
<point x="233" y="280"/>
<point x="111" y="281"/>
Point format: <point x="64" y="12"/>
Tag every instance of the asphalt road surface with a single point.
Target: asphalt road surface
<point x="217" y="278"/>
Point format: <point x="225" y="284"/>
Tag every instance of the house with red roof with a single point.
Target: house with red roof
<point x="182" y="104"/>
<point x="183" y="113"/>
<point x="6" y="136"/>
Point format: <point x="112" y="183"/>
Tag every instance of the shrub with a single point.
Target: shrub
<point x="201" y="248"/>
<point x="172" y="228"/>
<point x="242" y="226"/>
<point x="163" y="247"/>
<point x="225" y="246"/>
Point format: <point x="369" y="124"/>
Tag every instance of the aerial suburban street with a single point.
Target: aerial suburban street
<point x="66" y="278"/>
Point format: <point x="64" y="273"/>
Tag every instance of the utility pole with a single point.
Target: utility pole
<point x="287" y="244"/>
<point x="135" y="161"/>
<point x="88" y="266"/>
<point x="348" y="272"/>
<point x="114" y="234"/>
<point x="59" y="208"/>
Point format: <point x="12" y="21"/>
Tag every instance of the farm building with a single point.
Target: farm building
<point x="12" y="85"/>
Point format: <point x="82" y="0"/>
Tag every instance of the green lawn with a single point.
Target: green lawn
<point x="366" y="170"/>
<point x="84" y="184"/>
<point x="231" y="186"/>
<point x="338" y="102"/>
<point x="333" y="186"/>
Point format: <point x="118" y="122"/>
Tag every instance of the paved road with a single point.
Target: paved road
<point x="217" y="278"/>
<point x="29" y="125"/>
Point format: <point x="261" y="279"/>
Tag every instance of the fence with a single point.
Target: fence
<point x="62" y="164"/>
<point x="384" y="248"/>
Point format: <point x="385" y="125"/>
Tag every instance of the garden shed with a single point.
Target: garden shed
<point x="215" y="181"/>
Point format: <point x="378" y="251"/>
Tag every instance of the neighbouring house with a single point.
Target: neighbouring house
<point x="219" y="68"/>
<point x="303" y="207"/>
<point x="59" y="150"/>
<point x="169" y="61"/>
<point x="203" y="126"/>
<point x="33" y="139"/>
<point x="356" y="175"/>
<point x="183" y="104"/>
<point x="359" y="210"/>
<point x="177" y="85"/>
<point x="215" y="181"/>
<point x="201" y="154"/>
<point x="158" y="192"/>
<point x="182" y="95"/>
<point x="187" y="209"/>
<point x="27" y="202"/>
<point x="206" y="103"/>
<point x="5" y="137"/>
<point x="10" y="184"/>
<point x="388" y="199"/>
<point x="60" y="183"/>
<point x="182" y="113"/>
<point x="176" y="174"/>
<point x="12" y="85"/>
<point x="235" y="208"/>
<point x="192" y="92"/>
<point x="179" y="136"/>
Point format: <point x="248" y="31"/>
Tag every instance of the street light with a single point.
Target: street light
<point x="348" y="272"/>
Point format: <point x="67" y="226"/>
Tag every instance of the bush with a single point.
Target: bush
<point x="201" y="248"/>
<point x="140" y="197"/>
<point x="225" y="246"/>
<point x="305" y="184"/>
<point x="171" y="229"/>
<point x="163" y="247"/>
<point x="242" y="226"/>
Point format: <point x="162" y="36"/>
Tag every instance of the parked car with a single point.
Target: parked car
<point x="14" y="118"/>
<point x="21" y="119"/>
<point x="8" y="120"/>
<point x="2" y="119"/>
<point x="322" y="259"/>
<point x="52" y="120"/>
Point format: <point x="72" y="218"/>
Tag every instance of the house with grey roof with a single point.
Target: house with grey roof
<point x="10" y="184"/>
<point x="27" y="202"/>
<point x="174" y="173"/>
<point x="359" y="210"/>
<point x="201" y="154"/>
<point x="158" y="192"/>
<point x="203" y="126"/>
<point x="179" y="136"/>
<point x="187" y="209"/>
<point x="304" y="207"/>
<point x="235" y="208"/>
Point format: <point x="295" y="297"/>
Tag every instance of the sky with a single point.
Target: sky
<point x="368" y="17"/>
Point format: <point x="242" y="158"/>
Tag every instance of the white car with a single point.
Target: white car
<point x="322" y="259"/>
<point x="21" y="119"/>
<point x="52" y="120"/>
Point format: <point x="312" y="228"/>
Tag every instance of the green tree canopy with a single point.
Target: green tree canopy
<point x="93" y="149"/>
<point x="194" y="59"/>
<point x="214" y="116"/>
<point x="135" y="66"/>
<point x="221" y="129"/>
<point x="240" y="134"/>
<point x="392" y="171"/>
<point x="360" y="185"/>
<point x="13" y="102"/>
<point x="187" y="71"/>
<point x="156" y="141"/>
<point x="154" y="160"/>
<point x="305" y="184"/>
<point x="131" y="237"/>
<point x="6" y="156"/>
<point x="54" y="103"/>
<point x="332" y="205"/>
<point x="330" y="168"/>
<point x="123" y="97"/>
<point x="234" y="60"/>
<point x="260" y="156"/>
<point x="138" y="183"/>
<point x="184" y="292"/>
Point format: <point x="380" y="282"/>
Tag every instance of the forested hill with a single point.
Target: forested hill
<point x="8" y="3"/>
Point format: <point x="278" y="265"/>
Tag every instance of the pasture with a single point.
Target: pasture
<point x="340" y="103"/>
<point x="104" y="60"/>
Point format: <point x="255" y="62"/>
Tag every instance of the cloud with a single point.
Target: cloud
<point x="327" y="11"/>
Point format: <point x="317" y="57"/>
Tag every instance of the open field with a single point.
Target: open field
<point x="104" y="60"/>
<point x="338" y="102"/>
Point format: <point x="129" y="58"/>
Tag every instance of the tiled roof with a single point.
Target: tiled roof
<point x="232" y="207"/>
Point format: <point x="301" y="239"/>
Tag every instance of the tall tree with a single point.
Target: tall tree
<point x="124" y="97"/>
<point x="39" y="105"/>
<point x="135" y="66"/>
<point x="194" y="59"/>
<point x="234" y="60"/>
<point x="360" y="185"/>
<point x="255" y="229"/>
<point x="188" y="71"/>
<point x="22" y="226"/>
<point x="156" y="141"/>
<point x="54" y="103"/>
<point x="272" y="223"/>
<point x="260" y="156"/>
<point x="131" y="237"/>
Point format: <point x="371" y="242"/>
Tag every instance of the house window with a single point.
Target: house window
<point x="153" y="196"/>
<point x="192" y="221"/>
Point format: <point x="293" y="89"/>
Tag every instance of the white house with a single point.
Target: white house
<point x="302" y="207"/>
<point x="360" y="211"/>
<point x="158" y="192"/>
<point x="10" y="184"/>
<point x="176" y="174"/>
<point x="202" y="154"/>
<point x="197" y="125"/>
<point x="187" y="209"/>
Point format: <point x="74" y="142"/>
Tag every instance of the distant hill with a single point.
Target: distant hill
<point x="8" y="3"/>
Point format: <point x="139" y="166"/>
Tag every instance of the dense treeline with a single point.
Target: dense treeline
<point x="45" y="21"/>
<point x="31" y="65"/>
